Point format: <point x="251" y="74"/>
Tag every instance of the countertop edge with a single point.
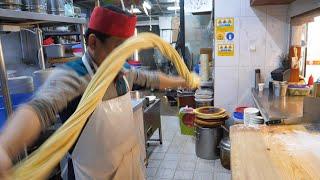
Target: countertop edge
<point x="259" y="105"/>
<point x="136" y="104"/>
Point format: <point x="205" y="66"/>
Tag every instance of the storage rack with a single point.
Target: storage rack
<point x="31" y="19"/>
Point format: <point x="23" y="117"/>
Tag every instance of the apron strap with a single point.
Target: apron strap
<point x="126" y="81"/>
<point x="87" y="65"/>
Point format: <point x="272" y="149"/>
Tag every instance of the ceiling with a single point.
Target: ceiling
<point x="158" y="7"/>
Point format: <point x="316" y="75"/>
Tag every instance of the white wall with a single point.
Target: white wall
<point x="301" y="6"/>
<point x="267" y="29"/>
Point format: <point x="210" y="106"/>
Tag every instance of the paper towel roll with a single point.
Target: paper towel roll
<point x="204" y="64"/>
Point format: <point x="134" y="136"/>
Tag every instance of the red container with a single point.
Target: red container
<point x="240" y="109"/>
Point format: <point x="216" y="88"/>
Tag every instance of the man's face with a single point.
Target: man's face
<point x="100" y="50"/>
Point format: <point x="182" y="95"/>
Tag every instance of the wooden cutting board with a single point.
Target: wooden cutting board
<point x="275" y="152"/>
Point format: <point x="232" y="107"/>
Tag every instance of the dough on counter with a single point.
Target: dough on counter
<point x="40" y="163"/>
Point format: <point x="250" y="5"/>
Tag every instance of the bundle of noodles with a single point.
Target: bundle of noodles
<point x="40" y="163"/>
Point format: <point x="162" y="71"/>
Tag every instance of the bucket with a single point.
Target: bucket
<point x="21" y="91"/>
<point x="16" y="99"/>
<point x="207" y="141"/>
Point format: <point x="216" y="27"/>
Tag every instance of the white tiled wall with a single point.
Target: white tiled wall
<point x="266" y="30"/>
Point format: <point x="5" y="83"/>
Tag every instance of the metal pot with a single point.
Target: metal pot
<point x="11" y="4"/>
<point x="56" y="7"/>
<point x="39" y="6"/>
<point x="207" y="140"/>
<point x="225" y="152"/>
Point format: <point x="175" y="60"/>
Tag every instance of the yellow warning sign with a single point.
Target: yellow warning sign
<point x="220" y="36"/>
<point x="226" y="49"/>
<point x="224" y="25"/>
<point x="224" y="29"/>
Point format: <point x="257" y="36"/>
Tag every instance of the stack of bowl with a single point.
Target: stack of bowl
<point x="203" y="97"/>
<point x="252" y="116"/>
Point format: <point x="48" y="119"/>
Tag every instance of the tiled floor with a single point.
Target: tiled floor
<point x="176" y="158"/>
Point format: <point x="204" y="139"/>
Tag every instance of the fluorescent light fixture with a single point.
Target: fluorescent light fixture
<point x="173" y="8"/>
<point x="146" y="5"/>
<point x="136" y="11"/>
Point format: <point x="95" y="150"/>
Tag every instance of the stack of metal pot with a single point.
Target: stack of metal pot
<point x="56" y="7"/>
<point x="11" y="4"/>
<point x="39" y="6"/>
<point x="203" y="97"/>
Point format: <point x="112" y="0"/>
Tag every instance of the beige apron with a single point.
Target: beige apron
<point x="108" y="147"/>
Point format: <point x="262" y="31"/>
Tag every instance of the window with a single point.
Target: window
<point x="305" y="30"/>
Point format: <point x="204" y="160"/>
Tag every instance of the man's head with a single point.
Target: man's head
<point x="108" y="28"/>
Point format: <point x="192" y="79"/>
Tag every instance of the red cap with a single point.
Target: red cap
<point x="112" y="23"/>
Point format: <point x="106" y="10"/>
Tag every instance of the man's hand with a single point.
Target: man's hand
<point x="5" y="163"/>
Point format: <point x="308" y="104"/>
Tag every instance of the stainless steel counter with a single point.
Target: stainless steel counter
<point x="136" y="103"/>
<point x="278" y="108"/>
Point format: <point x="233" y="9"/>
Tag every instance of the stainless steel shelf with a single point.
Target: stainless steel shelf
<point x="60" y="33"/>
<point x="8" y="16"/>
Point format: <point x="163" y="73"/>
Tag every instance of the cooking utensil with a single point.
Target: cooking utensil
<point x="225" y="152"/>
<point x="56" y="7"/>
<point x="207" y="140"/>
<point x="203" y="102"/>
<point x="11" y="4"/>
<point x="39" y="6"/>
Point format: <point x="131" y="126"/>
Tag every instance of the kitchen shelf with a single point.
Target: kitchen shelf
<point x="61" y="60"/>
<point x="269" y="2"/>
<point x="57" y="33"/>
<point x="8" y="16"/>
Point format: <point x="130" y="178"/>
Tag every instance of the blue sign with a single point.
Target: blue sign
<point x="230" y="36"/>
